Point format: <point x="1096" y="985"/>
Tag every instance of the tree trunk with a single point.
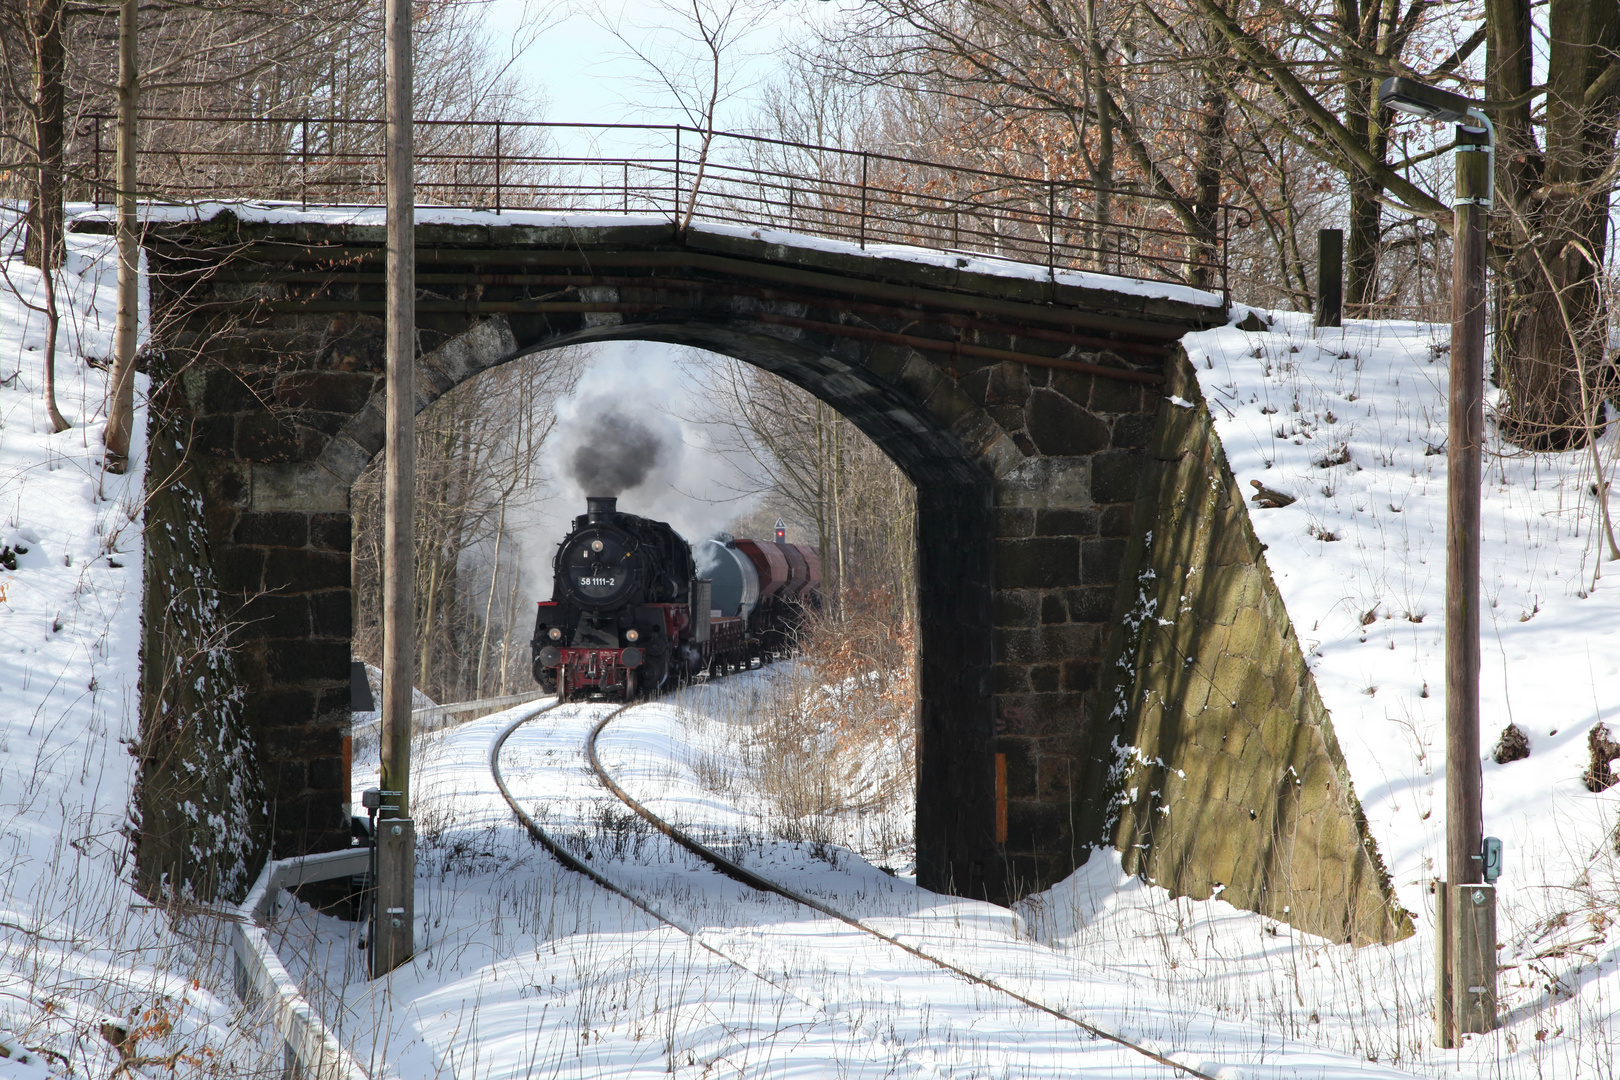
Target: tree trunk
<point x="1551" y="319"/>
<point x="1209" y="155"/>
<point x="121" y="411"/>
<point x="44" y="244"/>
<point x="1365" y="226"/>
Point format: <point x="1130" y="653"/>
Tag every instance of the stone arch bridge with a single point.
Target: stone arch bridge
<point x="1030" y="409"/>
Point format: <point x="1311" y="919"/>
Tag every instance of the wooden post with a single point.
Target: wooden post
<point x="1329" y="277"/>
<point x="1472" y="933"/>
<point x="392" y="941"/>
<point x="1465" y="441"/>
<point x="121" y="410"/>
<point x="1444" y="1019"/>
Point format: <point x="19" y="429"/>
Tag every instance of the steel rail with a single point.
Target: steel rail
<point x="743" y="875"/>
<point x="641" y="903"/>
<point x="743" y="179"/>
<point x="766" y="140"/>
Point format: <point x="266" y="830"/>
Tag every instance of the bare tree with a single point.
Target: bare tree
<point x="1556" y="172"/>
<point x="477" y="472"/>
<point x="694" y="68"/>
<point x="1083" y="90"/>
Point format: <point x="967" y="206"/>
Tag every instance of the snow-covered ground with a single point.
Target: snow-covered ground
<point x="530" y="970"/>
<point x="526" y="969"/>
<point x="78" y="946"/>
<point x="1360" y="561"/>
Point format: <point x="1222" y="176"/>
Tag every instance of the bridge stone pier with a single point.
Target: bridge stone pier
<point x="1022" y="407"/>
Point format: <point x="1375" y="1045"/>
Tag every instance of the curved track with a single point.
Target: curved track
<point x="753" y="880"/>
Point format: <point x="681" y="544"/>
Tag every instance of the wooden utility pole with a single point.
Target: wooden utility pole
<point x="1465" y="904"/>
<point x="121" y="411"/>
<point x="1465" y="946"/>
<point x="393" y="929"/>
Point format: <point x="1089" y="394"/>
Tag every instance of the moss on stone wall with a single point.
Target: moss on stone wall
<point x="1217" y="757"/>
<point x="199" y="803"/>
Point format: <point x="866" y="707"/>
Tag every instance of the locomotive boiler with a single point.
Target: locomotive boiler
<point x="633" y="607"/>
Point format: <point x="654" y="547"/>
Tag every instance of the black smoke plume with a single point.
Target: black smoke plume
<point x="616" y="453"/>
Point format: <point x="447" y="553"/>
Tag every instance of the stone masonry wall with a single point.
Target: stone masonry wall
<point x="200" y="802"/>
<point x="1217" y="747"/>
<point x="1062" y="519"/>
<point x="246" y="401"/>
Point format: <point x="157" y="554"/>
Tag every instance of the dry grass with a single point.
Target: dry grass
<point x="830" y="743"/>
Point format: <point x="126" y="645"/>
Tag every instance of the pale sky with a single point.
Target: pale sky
<point x="588" y="75"/>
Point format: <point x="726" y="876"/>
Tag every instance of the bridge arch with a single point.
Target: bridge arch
<point x="1020" y="405"/>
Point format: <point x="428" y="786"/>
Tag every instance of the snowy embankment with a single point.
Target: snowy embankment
<point x="1352" y="422"/>
<point x="78" y="946"/>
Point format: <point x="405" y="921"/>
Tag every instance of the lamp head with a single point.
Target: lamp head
<point x="1429" y="102"/>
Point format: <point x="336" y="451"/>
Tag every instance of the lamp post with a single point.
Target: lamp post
<point x="1465" y="901"/>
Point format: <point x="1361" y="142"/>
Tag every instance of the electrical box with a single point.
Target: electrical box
<point x="1491" y="869"/>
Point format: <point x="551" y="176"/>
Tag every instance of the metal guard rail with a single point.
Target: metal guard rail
<point x="680" y="174"/>
<point x="420" y="718"/>
<point x="313" y="1051"/>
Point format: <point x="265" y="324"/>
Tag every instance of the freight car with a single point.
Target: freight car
<point x="633" y="607"/>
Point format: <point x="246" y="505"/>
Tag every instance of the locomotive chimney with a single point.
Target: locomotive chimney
<point x="598" y="507"/>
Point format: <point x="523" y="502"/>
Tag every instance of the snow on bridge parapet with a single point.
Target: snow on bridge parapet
<point x="785" y="244"/>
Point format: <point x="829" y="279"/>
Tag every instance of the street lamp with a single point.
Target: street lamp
<point x="1432" y="103"/>
<point x="1465" y="902"/>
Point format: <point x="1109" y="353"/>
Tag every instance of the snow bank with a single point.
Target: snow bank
<point x="1352" y="422"/>
<point x="77" y="945"/>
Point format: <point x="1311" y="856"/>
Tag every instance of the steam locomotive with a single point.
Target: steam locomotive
<point x="629" y="612"/>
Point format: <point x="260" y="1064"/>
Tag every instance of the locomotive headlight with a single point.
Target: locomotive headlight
<point x="596" y="546"/>
<point x="555" y="633"/>
<point x="632" y="634"/>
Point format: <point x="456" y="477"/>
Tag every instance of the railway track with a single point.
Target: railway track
<point x="751" y="879"/>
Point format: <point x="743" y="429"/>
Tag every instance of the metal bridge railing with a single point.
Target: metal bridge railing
<point x="680" y="174"/>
